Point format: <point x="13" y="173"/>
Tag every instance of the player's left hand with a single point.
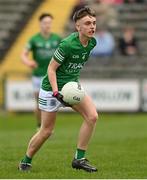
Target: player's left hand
<point x="59" y="97"/>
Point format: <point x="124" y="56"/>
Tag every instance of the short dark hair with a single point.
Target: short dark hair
<point x="83" y="12"/>
<point x="45" y="15"/>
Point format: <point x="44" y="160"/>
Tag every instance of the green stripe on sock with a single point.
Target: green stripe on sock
<point x="79" y="154"/>
<point x="27" y="159"/>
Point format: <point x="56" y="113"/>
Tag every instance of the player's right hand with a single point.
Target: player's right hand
<point x="59" y="97"/>
<point x="32" y="64"/>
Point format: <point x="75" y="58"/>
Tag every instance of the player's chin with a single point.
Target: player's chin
<point x="90" y="35"/>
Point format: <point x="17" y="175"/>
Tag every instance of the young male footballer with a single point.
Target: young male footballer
<point x="66" y="64"/>
<point x="42" y="45"/>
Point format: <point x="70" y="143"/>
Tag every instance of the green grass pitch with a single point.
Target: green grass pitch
<point x="118" y="147"/>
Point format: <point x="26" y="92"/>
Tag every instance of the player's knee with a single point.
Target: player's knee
<point x="93" y="118"/>
<point x="46" y="133"/>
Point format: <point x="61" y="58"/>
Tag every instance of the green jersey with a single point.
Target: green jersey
<point x="72" y="56"/>
<point x="42" y="51"/>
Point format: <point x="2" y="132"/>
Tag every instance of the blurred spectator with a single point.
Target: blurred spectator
<point x="106" y="13"/>
<point x="128" y="44"/>
<point x="113" y="2"/>
<point x="117" y="2"/>
<point x="134" y="1"/>
<point x="105" y="43"/>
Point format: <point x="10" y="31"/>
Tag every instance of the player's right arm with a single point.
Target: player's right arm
<point x="25" y="54"/>
<point x="57" y="59"/>
<point x="26" y="60"/>
<point x="53" y="66"/>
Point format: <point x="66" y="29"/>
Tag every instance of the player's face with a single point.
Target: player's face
<point x="45" y="25"/>
<point x="86" y="26"/>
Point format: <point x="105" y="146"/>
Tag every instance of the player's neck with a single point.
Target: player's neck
<point x="84" y="40"/>
<point x="45" y="35"/>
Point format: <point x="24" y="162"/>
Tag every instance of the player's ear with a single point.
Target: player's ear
<point x="77" y="26"/>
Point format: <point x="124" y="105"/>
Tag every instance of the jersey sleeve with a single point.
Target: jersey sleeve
<point x="61" y="52"/>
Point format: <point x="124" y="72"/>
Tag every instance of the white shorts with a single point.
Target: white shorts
<point x="36" y="81"/>
<point x="47" y="102"/>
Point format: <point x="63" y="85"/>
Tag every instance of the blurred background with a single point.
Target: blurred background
<point x="116" y="73"/>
